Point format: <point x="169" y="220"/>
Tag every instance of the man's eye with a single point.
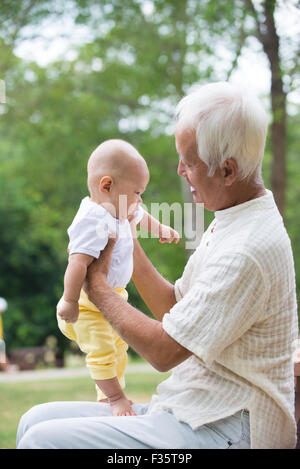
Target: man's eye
<point x="138" y="193"/>
<point x="186" y="164"/>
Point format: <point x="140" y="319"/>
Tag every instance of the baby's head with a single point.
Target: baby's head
<point x="117" y="177"/>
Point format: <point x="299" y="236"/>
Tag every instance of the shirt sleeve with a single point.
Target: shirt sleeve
<point x="178" y="289"/>
<point x="181" y="284"/>
<point x="226" y="299"/>
<point x="88" y="236"/>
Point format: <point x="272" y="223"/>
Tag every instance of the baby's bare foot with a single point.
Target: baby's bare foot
<point x="122" y="407"/>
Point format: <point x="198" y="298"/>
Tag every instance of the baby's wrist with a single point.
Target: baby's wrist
<point x="164" y="230"/>
<point x="71" y="301"/>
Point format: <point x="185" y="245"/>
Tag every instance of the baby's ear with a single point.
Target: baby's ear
<point x="105" y="184"/>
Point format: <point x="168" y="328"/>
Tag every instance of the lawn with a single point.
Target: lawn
<point x="17" y="398"/>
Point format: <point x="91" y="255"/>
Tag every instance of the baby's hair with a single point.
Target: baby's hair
<point x="115" y="158"/>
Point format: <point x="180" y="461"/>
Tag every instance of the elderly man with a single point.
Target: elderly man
<point x="226" y="328"/>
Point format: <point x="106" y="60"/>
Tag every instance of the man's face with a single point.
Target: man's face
<point x="205" y="189"/>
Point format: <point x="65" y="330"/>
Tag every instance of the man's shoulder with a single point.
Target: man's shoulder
<point x="268" y="236"/>
<point x="261" y="230"/>
<point x="263" y="242"/>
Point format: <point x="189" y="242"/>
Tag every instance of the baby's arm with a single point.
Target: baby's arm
<point x="75" y="274"/>
<point x="120" y="405"/>
<point x="163" y="232"/>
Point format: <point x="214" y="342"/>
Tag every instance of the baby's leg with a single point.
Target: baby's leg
<point x="90" y="331"/>
<point x="121" y="359"/>
<point x="120" y="405"/>
<point x="94" y="336"/>
<point x="120" y="366"/>
<point x="106" y="356"/>
<point x="97" y="340"/>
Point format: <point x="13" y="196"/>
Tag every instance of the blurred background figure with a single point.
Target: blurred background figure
<point x="3" y="360"/>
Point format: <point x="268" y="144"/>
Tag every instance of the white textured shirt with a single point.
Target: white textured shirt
<point x="236" y="311"/>
<point x="89" y="233"/>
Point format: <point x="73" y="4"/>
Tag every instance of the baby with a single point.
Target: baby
<point x="117" y="177"/>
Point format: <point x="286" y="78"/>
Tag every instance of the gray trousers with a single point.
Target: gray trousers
<point x="90" y="425"/>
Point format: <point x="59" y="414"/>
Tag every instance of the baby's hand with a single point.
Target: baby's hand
<point x="67" y="310"/>
<point x="167" y="234"/>
<point x="122" y="407"/>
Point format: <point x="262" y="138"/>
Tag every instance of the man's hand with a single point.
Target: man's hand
<point x="97" y="271"/>
<point x="67" y="310"/>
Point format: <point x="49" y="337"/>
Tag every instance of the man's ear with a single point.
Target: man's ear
<point x="105" y="184"/>
<point x="230" y="171"/>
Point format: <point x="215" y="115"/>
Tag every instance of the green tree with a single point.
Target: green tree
<point x="125" y="82"/>
<point x="266" y="31"/>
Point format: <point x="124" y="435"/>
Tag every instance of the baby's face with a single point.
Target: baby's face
<point x="127" y="195"/>
<point x="117" y="177"/>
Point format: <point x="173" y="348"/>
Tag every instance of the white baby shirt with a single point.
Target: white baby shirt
<point x="89" y="233"/>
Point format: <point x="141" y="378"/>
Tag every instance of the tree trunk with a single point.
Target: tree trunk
<point x="267" y="34"/>
<point x="181" y="14"/>
<point x="270" y="41"/>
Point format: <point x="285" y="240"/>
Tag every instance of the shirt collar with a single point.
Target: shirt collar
<point x="264" y="202"/>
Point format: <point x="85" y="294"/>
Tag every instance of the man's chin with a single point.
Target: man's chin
<point x="196" y="198"/>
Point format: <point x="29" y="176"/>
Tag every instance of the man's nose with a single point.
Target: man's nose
<point x="181" y="169"/>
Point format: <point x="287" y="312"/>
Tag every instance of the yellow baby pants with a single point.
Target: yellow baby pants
<point x="106" y="352"/>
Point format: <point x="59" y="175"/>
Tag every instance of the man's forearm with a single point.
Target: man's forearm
<point x="145" y="335"/>
<point x="142" y="333"/>
<point x="156" y="291"/>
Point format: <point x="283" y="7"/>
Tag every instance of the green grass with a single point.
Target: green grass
<point x="17" y="398"/>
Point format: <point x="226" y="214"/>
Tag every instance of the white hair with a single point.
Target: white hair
<point x="229" y="123"/>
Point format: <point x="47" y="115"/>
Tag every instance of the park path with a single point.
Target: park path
<point x="64" y="373"/>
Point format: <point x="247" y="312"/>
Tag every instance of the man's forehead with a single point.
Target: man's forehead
<point x="186" y="145"/>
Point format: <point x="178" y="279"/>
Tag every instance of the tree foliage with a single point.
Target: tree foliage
<point x="124" y="82"/>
